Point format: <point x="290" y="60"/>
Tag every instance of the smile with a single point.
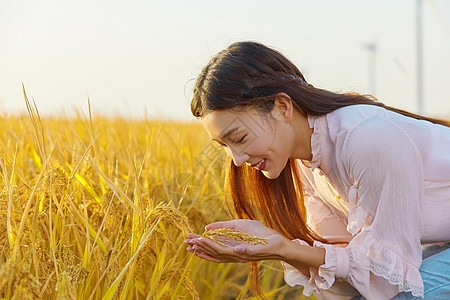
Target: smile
<point x="260" y="165"/>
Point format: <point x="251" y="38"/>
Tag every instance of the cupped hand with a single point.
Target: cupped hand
<point x="235" y="251"/>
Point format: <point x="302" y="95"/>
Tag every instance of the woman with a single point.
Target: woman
<point x="348" y="189"/>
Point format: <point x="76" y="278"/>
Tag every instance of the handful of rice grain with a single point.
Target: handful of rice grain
<point x="222" y="235"/>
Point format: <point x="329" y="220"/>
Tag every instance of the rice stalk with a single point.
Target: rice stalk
<point x="65" y="244"/>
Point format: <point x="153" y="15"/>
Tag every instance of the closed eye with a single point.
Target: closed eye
<point x="241" y="140"/>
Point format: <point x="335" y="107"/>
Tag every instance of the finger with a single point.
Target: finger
<point x="235" y="252"/>
<point x="228" y="255"/>
<point x="241" y="249"/>
<point x="208" y="257"/>
<point x="218" y="252"/>
<point x="195" y="249"/>
<point x="215" y="249"/>
<point x="217" y="242"/>
<point x="205" y="249"/>
<point x="191" y="238"/>
<point x="209" y="246"/>
<point x="218" y="225"/>
<point x="249" y="250"/>
<point x="193" y="235"/>
<point x="188" y="241"/>
<point x="200" y="253"/>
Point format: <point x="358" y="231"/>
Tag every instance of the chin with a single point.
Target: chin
<point x="271" y="175"/>
<point x="272" y="172"/>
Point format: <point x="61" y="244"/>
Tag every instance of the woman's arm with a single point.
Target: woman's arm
<point x="302" y="257"/>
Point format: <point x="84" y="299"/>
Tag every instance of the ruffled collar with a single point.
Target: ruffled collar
<point x="320" y="145"/>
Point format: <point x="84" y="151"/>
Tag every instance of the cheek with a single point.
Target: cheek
<point x="256" y="147"/>
<point x="268" y="145"/>
<point x="262" y="141"/>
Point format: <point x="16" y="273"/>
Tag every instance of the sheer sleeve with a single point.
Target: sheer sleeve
<point x="384" y="256"/>
<point x="322" y="220"/>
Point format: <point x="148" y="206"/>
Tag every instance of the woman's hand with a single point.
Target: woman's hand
<point x="238" y="251"/>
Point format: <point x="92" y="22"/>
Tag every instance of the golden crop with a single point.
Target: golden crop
<point x="222" y="235"/>
<point x="98" y="208"/>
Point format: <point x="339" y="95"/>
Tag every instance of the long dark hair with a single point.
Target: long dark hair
<point x="249" y="74"/>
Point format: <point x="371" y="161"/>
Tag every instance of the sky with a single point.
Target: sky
<point x="140" y="58"/>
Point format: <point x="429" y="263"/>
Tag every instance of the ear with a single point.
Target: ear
<point x="283" y="109"/>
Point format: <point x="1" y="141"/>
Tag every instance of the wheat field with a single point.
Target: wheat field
<point x="98" y="208"/>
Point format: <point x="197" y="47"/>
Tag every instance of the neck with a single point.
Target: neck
<point x="302" y="143"/>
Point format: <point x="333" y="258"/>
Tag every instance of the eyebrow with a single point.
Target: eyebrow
<point x="228" y="133"/>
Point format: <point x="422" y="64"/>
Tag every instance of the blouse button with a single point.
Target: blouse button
<point x="320" y="173"/>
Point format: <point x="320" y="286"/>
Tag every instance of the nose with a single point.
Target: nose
<point x="239" y="157"/>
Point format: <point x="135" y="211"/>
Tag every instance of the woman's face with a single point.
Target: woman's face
<point x="265" y="142"/>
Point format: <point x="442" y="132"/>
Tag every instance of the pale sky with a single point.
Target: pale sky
<point x="137" y="57"/>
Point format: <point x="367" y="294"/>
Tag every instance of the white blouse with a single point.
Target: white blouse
<point x="379" y="185"/>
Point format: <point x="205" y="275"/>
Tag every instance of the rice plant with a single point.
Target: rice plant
<point x="97" y="208"/>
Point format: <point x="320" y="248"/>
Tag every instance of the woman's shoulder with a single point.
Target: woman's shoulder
<point x="342" y="121"/>
<point x="373" y="117"/>
<point x="346" y="118"/>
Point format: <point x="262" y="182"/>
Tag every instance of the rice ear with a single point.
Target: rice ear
<point x="223" y="234"/>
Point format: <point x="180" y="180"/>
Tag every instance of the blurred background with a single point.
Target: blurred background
<point x="140" y="58"/>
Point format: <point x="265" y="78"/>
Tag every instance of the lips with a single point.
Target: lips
<point x="260" y="165"/>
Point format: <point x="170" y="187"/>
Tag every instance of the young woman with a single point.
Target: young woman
<point x="346" y="189"/>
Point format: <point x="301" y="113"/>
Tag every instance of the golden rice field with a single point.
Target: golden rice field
<point x="98" y="208"/>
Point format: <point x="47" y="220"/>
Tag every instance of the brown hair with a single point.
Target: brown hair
<point x="249" y="74"/>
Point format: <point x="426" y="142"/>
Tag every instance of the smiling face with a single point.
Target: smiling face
<point x="265" y="142"/>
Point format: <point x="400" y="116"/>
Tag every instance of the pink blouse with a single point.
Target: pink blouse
<point x="379" y="185"/>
